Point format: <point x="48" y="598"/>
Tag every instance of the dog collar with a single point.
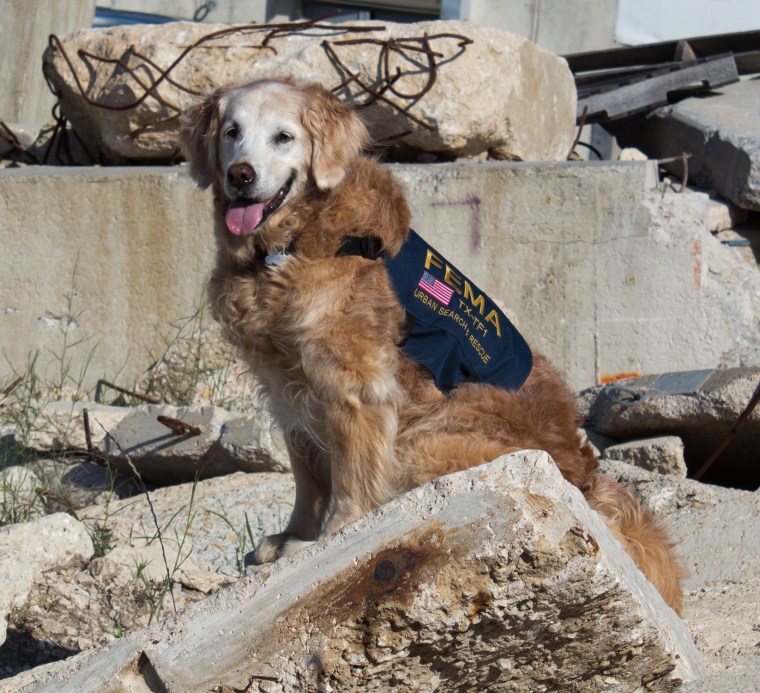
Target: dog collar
<point x="369" y="247"/>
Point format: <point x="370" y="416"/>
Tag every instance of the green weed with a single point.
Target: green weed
<point x="18" y="496"/>
<point x="245" y="541"/>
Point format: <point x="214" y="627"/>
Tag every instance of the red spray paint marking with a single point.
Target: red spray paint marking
<point x="696" y="252"/>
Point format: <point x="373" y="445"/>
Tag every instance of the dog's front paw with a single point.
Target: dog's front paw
<point x="268" y="549"/>
<point x="273" y="547"/>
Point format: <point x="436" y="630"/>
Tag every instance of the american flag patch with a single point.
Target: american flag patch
<point x="437" y="289"/>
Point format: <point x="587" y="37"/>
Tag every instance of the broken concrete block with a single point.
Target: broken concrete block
<point x="163" y="455"/>
<point x="499" y="577"/>
<point x="437" y="69"/>
<point x="721" y="131"/>
<point x="208" y="441"/>
<point x="31" y="548"/>
<point x="700" y="407"/>
<point x="663" y="454"/>
<point x="723" y="215"/>
<point x="255" y="443"/>
<point x="60" y="425"/>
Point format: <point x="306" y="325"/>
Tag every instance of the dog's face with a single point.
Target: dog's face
<point x="264" y="153"/>
<point x="264" y="144"/>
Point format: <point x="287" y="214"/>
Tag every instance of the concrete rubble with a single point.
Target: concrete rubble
<point x="531" y="116"/>
<point x="60" y="425"/>
<point x="28" y="549"/>
<point x="209" y="526"/>
<point x="498" y="578"/>
<point x="220" y="519"/>
<point x="501" y="564"/>
<point x="38" y="485"/>
<point x="149" y="558"/>
<point x="662" y="454"/>
<point x="721" y="132"/>
<point x="208" y="441"/>
<point x="700" y="407"/>
<point x="205" y="528"/>
<point x="133" y="438"/>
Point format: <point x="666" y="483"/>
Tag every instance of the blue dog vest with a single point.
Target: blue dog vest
<point x="453" y="328"/>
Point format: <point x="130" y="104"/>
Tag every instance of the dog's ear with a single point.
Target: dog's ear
<point x="337" y="136"/>
<point x="199" y="129"/>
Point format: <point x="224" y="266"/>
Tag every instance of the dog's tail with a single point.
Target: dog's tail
<point x="645" y="540"/>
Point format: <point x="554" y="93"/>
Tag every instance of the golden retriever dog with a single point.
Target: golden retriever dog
<point x="322" y="329"/>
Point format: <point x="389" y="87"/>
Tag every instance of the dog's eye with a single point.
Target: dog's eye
<point x="283" y="137"/>
<point x="231" y="132"/>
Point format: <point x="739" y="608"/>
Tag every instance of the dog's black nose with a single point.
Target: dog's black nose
<point x="241" y="175"/>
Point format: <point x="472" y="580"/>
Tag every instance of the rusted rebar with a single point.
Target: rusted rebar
<point x="388" y="91"/>
<point x="179" y="428"/>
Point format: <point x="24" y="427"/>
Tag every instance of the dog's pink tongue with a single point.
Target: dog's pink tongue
<point x="243" y="217"/>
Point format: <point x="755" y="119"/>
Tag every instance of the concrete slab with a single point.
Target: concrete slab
<point x="497" y="577"/>
<point x="721" y="131"/>
<point x="605" y="272"/>
<point x="208" y="441"/>
<point x="113" y="256"/>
